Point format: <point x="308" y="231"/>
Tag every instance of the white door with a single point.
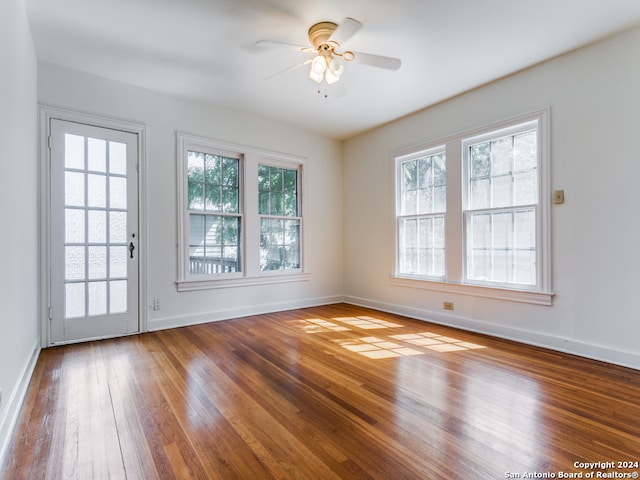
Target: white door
<point x="93" y="228"/>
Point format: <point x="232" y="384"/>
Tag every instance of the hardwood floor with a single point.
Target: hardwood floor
<point x="322" y="393"/>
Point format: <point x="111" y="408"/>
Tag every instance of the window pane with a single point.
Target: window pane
<point x="503" y="231"/>
<point x="97" y="262"/>
<point x="278" y="193"/>
<point x="195" y="181"/>
<point x="117" y="158"/>
<point x="501" y="247"/>
<point x="425" y="200"/>
<point x="74" y="189"/>
<point x="503" y="172"/>
<point x="118" y="262"/>
<point x="480" y="233"/>
<point x="97" y="155"/>
<point x="74" y="300"/>
<point x="97" y="190"/>
<point x="524" y="151"/>
<point x="97" y="226"/>
<point x="501" y="194"/>
<point x="525" y="188"/>
<point x="480" y="160"/>
<point x="73" y="225"/>
<point x="501" y="156"/>
<point x="424" y="186"/>
<point x="279" y="244"/>
<point x="73" y="151"/>
<point x="214" y="244"/>
<point x="118" y="296"/>
<point x="525" y="229"/>
<point x="74" y="263"/>
<point x="97" y="298"/>
<point x="480" y="193"/>
<point x="118" y="227"/>
<point x="422" y="246"/>
<point x="118" y="192"/>
<point x="525" y="267"/>
<point x="212" y="169"/>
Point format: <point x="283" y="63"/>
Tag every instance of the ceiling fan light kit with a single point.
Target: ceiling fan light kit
<point x="326" y="65"/>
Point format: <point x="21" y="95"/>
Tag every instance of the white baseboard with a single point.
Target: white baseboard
<point x="566" y="345"/>
<point x="16" y="400"/>
<point x="244" y="311"/>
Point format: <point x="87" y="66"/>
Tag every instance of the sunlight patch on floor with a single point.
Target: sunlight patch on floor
<point x="374" y="347"/>
<point x="367" y="323"/>
<point x="434" y="341"/>
<point x="316" y="325"/>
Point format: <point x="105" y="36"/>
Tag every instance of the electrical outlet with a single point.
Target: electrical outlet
<point x="447" y="305"/>
<point x="156" y="304"/>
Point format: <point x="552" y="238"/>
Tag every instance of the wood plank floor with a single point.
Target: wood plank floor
<point x="333" y="392"/>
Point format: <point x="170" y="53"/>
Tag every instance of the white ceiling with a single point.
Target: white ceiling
<point x="204" y="49"/>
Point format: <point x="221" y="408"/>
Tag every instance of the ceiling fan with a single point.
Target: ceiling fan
<point x="326" y="39"/>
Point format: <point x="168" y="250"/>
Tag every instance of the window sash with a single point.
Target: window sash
<point x="500" y="249"/>
<point x="421" y="245"/>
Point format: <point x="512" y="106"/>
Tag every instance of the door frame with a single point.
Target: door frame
<point x="46" y="114"/>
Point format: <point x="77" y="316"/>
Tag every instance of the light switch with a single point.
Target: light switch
<point x="558" y="197"/>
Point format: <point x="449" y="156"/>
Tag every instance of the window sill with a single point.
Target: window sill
<point x="522" y="296"/>
<point x="213" y="283"/>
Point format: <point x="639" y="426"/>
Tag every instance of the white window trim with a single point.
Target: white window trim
<point x="250" y="274"/>
<point x="454" y="224"/>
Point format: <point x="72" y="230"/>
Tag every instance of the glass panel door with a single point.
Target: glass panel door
<point x="94" y="261"/>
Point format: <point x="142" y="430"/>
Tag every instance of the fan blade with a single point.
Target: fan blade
<point x="306" y="62"/>
<point x="390" y="63"/>
<point x="345" y="31"/>
<point x="276" y="43"/>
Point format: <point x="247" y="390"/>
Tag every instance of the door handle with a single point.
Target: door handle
<point x="131" y="249"/>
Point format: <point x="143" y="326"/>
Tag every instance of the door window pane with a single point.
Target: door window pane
<point x="97" y="298"/>
<point x="74" y="189"/>
<point x="74" y="263"/>
<point x="97" y="226"/>
<point x="97" y="262"/>
<point x="118" y="227"/>
<point x="74" y="231"/>
<point x="117" y="192"/>
<point x="96" y="155"/>
<point x="118" y="296"/>
<point x="96" y="191"/>
<point x="74" y="300"/>
<point x="117" y="158"/>
<point x="74" y="151"/>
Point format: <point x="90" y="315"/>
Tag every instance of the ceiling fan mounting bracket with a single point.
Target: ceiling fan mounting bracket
<point x="319" y="35"/>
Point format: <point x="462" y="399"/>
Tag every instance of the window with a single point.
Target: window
<point x="240" y="215"/>
<point x="421" y="217"/>
<point x="213" y="207"/>
<point x="483" y="227"/>
<point x="279" y="220"/>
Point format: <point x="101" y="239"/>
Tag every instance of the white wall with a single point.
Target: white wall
<point x="18" y="211"/>
<point x="164" y="115"/>
<point x="594" y="96"/>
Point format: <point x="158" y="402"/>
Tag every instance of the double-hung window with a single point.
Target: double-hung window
<point x="422" y="205"/>
<point x="472" y="215"/>
<point x="502" y="207"/>
<point x="239" y="215"/>
<point x="279" y="218"/>
<point x="214" y="212"/>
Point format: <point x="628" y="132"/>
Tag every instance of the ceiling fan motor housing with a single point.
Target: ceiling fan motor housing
<point x="319" y="35"/>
